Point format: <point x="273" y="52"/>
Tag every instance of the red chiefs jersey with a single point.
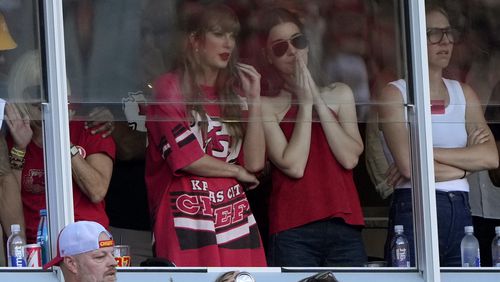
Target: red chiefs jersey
<point x="33" y="180"/>
<point x="198" y="221"/>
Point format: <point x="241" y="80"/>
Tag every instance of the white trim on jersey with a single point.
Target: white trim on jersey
<point x="164" y="149"/>
<point x="237" y="232"/>
<point x="183" y="136"/>
<point x="194" y="224"/>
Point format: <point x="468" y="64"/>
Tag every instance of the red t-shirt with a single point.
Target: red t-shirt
<point x="325" y="191"/>
<point x="33" y="180"/>
<point x="198" y="221"/>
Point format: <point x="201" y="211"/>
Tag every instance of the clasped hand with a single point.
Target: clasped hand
<point x="306" y="89"/>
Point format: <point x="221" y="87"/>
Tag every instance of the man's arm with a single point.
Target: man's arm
<point x="92" y="175"/>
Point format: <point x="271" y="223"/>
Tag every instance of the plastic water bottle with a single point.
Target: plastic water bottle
<point x="42" y="236"/>
<point x="495" y="248"/>
<point x="15" y="247"/>
<point x="400" y="252"/>
<point x="470" y="249"/>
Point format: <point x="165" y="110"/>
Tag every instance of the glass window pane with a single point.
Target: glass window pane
<point x="111" y="60"/>
<point x="474" y="63"/>
<point x="115" y="78"/>
<point x="22" y="93"/>
<point x="161" y="60"/>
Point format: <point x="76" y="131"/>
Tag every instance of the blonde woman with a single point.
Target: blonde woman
<point x="201" y="155"/>
<point x="91" y="155"/>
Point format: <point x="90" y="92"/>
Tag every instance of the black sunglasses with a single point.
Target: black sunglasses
<point x="436" y="35"/>
<point x="299" y="42"/>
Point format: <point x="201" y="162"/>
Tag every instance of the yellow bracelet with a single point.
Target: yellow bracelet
<point x="18" y="153"/>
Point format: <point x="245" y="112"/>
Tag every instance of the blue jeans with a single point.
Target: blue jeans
<point x="453" y="213"/>
<point x="329" y="242"/>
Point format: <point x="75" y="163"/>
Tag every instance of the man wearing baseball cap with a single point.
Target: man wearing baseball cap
<point x="85" y="253"/>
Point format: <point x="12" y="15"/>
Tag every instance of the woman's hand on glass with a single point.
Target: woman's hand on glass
<point x="250" y="80"/>
<point x="19" y="126"/>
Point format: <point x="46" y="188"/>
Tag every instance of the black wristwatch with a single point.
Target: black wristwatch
<point x="244" y="277"/>
<point x="73" y="150"/>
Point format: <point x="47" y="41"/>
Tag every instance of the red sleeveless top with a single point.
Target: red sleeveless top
<point x="325" y="191"/>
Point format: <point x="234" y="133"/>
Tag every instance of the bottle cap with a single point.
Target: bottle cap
<point x="15" y="228"/>
<point x="398" y="228"/>
<point x="43" y="212"/>
<point x="469" y="229"/>
<point x="497" y="230"/>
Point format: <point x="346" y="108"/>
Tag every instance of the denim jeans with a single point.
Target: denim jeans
<point x="453" y="213"/>
<point x="329" y="242"/>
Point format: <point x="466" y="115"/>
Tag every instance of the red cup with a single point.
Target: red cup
<point x="122" y="255"/>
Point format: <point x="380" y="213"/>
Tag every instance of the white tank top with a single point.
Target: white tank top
<point x="448" y="130"/>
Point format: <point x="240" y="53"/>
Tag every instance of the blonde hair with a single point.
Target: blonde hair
<point x="210" y="18"/>
<point x="24" y="75"/>
<point x="25" y="84"/>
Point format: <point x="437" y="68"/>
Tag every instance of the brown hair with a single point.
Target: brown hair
<point x="272" y="81"/>
<point x="436" y="8"/>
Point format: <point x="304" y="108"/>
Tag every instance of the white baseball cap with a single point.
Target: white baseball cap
<point x="78" y="238"/>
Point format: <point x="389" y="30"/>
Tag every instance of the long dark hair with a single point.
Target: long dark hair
<point x="272" y="81"/>
<point x="197" y="24"/>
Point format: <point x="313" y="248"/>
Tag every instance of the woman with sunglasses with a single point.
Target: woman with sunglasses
<point x="201" y="156"/>
<point x="313" y="142"/>
<point x="462" y="144"/>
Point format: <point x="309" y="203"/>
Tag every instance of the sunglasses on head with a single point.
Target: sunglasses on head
<point x="436" y="35"/>
<point x="298" y="42"/>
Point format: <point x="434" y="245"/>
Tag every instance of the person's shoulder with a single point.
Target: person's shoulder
<point x="167" y="79"/>
<point x="337" y="92"/>
<point x="172" y="76"/>
<point x="392" y="92"/>
<point x="466" y="87"/>
<point x="167" y="86"/>
<point x="469" y="93"/>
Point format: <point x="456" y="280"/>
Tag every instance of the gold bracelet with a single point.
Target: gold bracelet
<point x="18" y="153"/>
